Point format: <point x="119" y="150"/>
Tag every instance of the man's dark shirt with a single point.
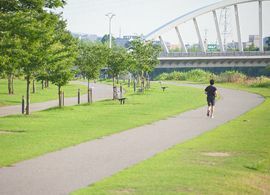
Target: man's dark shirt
<point x="211" y="91"/>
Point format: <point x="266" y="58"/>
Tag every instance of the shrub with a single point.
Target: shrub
<point x="179" y="76"/>
<point x="162" y="77"/>
<point x="260" y="82"/>
<point x="197" y="75"/>
<point x="232" y="77"/>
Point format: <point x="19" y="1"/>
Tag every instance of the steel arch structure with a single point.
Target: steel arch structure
<point x="208" y="9"/>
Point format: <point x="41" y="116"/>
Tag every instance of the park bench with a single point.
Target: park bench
<point x="163" y="88"/>
<point x="140" y="90"/>
<point x="122" y="100"/>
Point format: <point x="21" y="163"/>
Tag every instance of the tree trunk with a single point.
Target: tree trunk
<point x="129" y="82"/>
<point x="27" y="95"/>
<point x="34" y="87"/>
<point x="147" y="81"/>
<point x="138" y="80"/>
<point x="59" y="96"/>
<point x="42" y="84"/>
<point x="134" y="85"/>
<point x="9" y="85"/>
<point x="12" y="84"/>
<point x="88" y="90"/>
<point x="113" y="81"/>
<point x="46" y="83"/>
<point x="142" y="83"/>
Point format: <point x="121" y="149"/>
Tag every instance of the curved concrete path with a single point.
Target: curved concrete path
<point x="100" y="92"/>
<point x="76" y="167"/>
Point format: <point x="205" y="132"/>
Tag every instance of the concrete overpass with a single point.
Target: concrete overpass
<point x="250" y="63"/>
<point x="214" y="59"/>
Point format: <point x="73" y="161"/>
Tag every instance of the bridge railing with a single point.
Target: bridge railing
<point x="215" y="54"/>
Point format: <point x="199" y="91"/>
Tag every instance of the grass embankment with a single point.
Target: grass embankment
<point x="232" y="159"/>
<point x="53" y="129"/>
<point x="50" y="93"/>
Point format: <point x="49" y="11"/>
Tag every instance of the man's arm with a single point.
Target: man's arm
<point x="216" y="94"/>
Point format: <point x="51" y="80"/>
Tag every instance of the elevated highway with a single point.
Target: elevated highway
<point x="214" y="59"/>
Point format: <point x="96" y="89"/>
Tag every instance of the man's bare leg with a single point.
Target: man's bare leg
<point x="212" y="111"/>
<point x="209" y="111"/>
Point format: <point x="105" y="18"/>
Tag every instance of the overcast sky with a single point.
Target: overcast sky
<point x="136" y="17"/>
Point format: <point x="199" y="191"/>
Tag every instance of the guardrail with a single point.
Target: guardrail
<point x="215" y="54"/>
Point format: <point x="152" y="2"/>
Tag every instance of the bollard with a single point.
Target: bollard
<point x="79" y="96"/>
<point x="23" y="105"/>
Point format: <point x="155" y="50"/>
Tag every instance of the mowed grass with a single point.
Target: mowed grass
<point x="232" y="159"/>
<point x="50" y="93"/>
<point x="53" y="129"/>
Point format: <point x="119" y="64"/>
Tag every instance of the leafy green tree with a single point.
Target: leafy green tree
<point x="63" y="54"/>
<point x="28" y="22"/>
<point x="146" y="56"/>
<point x="11" y="50"/>
<point x="117" y="63"/>
<point x="24" y="5"/>
<point x="92" y="57"/>
<point x="106" y="38"/>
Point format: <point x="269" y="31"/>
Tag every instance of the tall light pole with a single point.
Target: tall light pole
<point x="110" y="16"/>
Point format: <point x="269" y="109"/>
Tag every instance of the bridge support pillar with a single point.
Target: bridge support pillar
<point x="218" y="31"/>
<point x="240" y="44"/>
<point x="199" y="35"/>
<point x="164" y="44"/>
<point x="260" y="27"/>
<point x="180" y="39"/>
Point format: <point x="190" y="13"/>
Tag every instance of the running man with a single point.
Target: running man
<point x="211" y="92"/>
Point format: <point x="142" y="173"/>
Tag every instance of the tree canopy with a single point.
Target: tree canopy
<point x="26" y="5"/>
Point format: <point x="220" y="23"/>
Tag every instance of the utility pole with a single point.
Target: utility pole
<point x="224" y="21"/>
<point x="110" y="16"/>
<point x="206" y="39"/>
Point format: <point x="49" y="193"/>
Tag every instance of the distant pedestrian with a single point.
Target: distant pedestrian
<point x="211" y="92"/>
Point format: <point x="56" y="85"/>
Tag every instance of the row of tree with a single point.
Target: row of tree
<point x="34" y="43"/>
<point x="138" y="60"/>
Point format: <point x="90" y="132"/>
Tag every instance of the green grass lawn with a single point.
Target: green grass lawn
<point x="53" y="129"/>
<point x="50" y="93"/>
<point x="232" y="159"/>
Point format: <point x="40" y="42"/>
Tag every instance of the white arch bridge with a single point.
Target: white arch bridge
<point x="203" y="58"/>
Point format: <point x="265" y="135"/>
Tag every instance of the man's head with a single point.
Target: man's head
<point x="212" y="82"/>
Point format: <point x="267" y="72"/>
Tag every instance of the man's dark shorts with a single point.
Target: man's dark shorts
<point x="211" y="101"/>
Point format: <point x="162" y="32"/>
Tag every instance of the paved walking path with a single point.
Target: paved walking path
<point x="76" y="167"/>
<point x="100" y="92"/>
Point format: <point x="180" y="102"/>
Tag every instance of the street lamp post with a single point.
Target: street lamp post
<point x="110" y="16"/>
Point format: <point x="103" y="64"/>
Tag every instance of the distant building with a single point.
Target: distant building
<point x="247" y="45"/>
<point x="266" y="43"/>
<point x="125" y="41"/>
<point x="86" y="37"/>
<point x="254" y="40"/>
